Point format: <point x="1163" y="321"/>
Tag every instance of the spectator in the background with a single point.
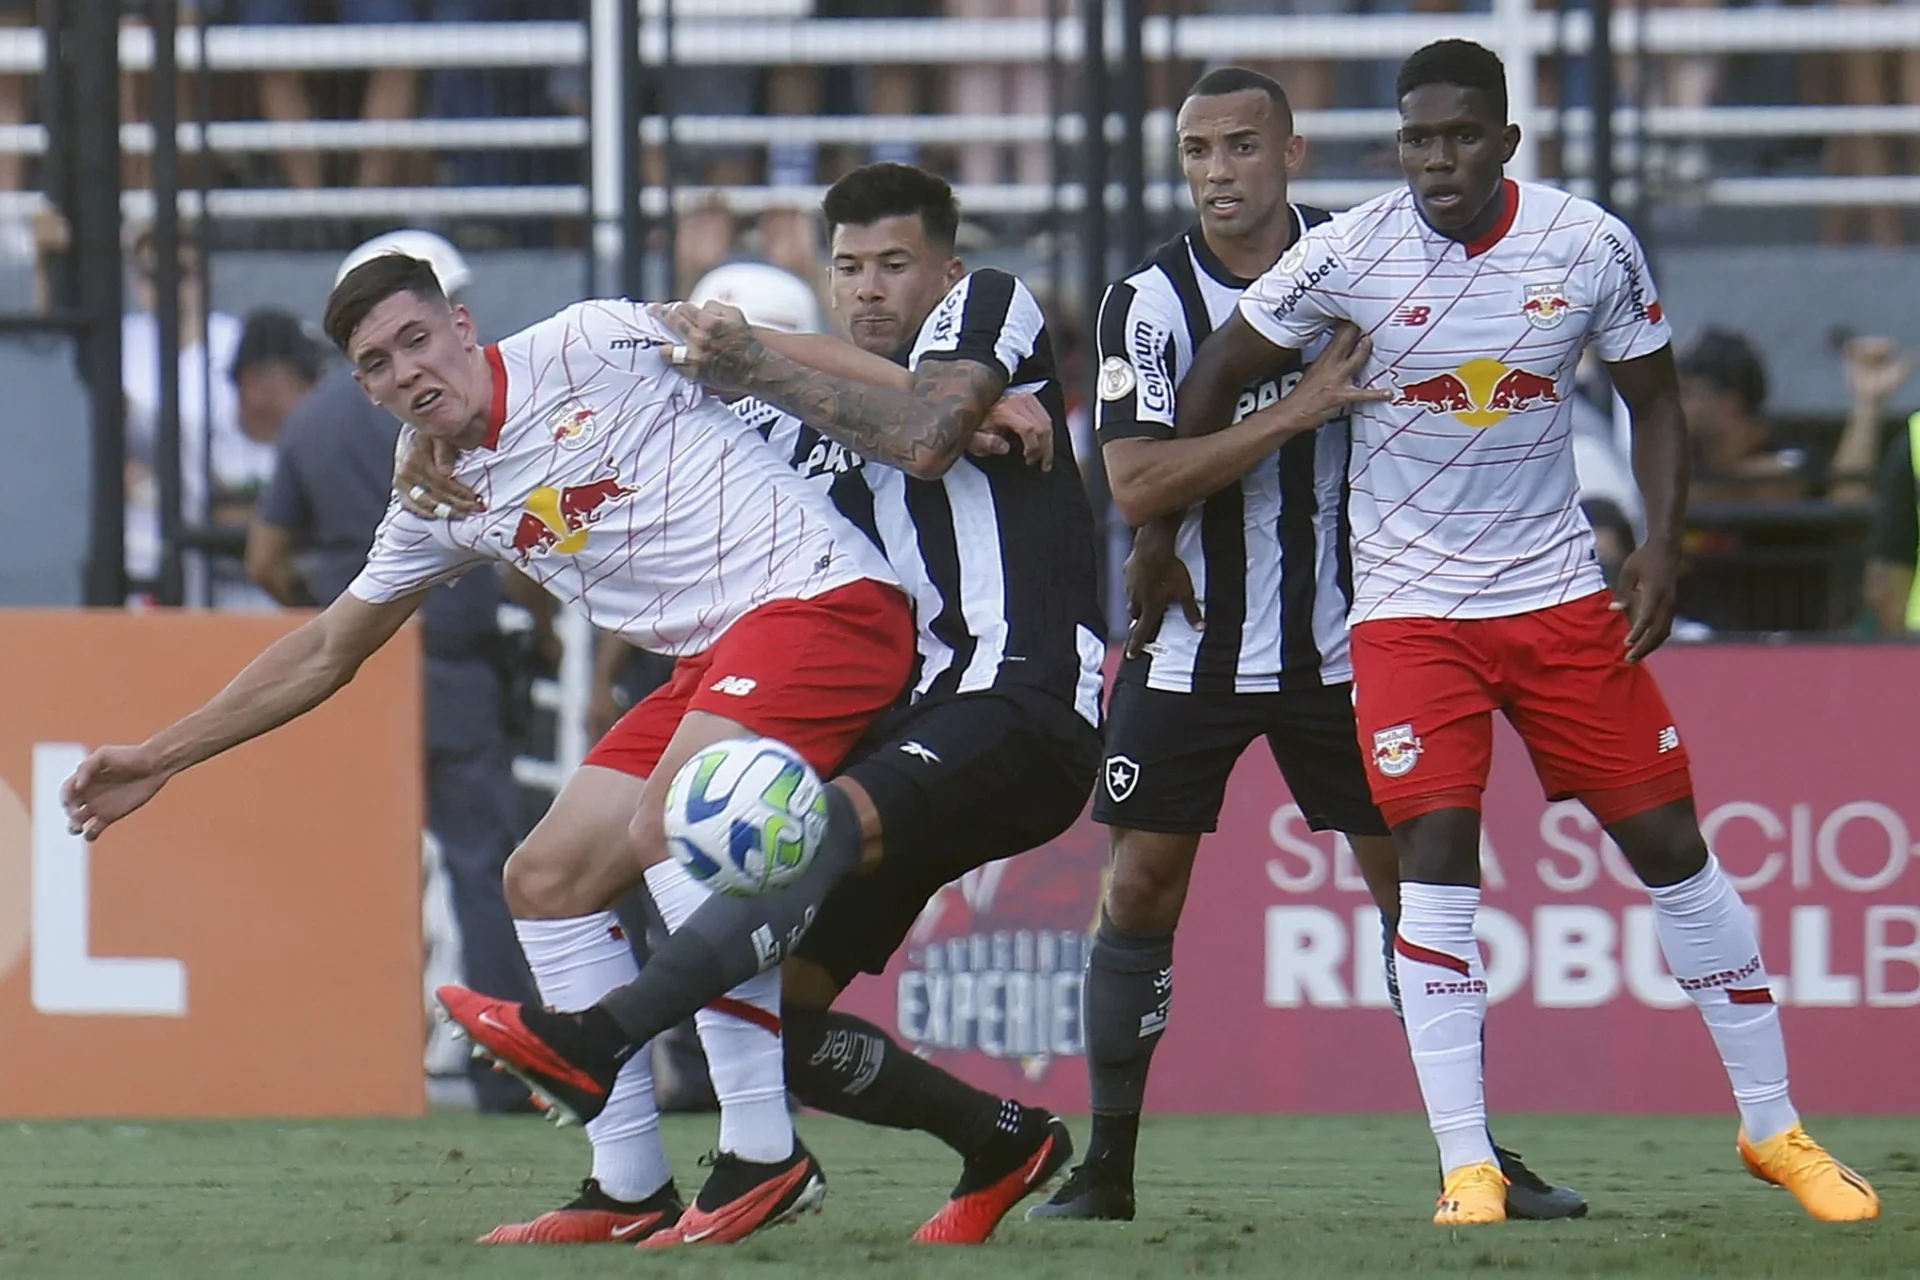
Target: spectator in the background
<point x="1723" y="388"/>
<point x="274" y="368"/>
<point x="392" y="93"/>
<point x="310" y="540"/>
<point x="222" y="469"/>
<point x="1894" y="549"/>
<point x="14" y="92"/>
<point x="1875" y="369"/>
<point x="980" y="89"/>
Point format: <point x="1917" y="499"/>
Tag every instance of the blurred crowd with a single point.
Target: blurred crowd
<point x="1675" y="165"/>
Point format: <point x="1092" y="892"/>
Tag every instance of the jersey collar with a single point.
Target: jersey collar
<point x="497" y="414"/>
<point x="1495" y="234"/>
<point x="1211" y="264"/>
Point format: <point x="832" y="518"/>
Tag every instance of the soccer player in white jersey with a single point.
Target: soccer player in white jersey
<point x="1476" y="588"/>
<point x="627" y="491"/>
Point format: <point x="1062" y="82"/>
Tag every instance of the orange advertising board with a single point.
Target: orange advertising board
<point x="246" y="945"/>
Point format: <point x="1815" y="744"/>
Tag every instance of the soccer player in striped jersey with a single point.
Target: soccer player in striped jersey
<point x="1476" y="586"/>
<point x="996" y="750"/>
<point x="1260" y="527"/>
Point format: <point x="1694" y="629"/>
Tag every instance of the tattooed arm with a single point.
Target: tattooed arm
<point x="922" y="430"/>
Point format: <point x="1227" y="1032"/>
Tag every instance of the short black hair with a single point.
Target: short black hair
<point x="1456" y="62"/>
<point x="1224" y="80"/>
<point x="270" y="336"/>
<point x="1729" y="361"/>
<point x="886" y="190"/>
<point x="372" y="283"/>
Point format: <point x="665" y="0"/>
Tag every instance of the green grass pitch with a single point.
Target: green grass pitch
<point x="1265" y="1196"/>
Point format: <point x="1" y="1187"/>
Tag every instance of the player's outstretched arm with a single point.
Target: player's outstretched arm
<point x="1650" y="577"/>
<point x="1155" y="478"/>
<point x="291" y="677"/>
<point x="922" y="430"/>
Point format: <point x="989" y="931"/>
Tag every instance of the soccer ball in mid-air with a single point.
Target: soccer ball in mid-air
<point x="744" y="816"/>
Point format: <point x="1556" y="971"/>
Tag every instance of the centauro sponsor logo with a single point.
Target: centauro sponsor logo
<point x="1147" y="344"/>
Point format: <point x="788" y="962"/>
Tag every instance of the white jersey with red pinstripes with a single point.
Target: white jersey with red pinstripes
<point x="1464" y="502"/>
<point x="627" y="491"/>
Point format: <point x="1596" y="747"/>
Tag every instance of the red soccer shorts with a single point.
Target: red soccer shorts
<point x="811" y="673"/>
<point x="1598" y="730"/>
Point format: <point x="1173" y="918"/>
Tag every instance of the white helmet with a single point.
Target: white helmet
<point x="448" y="266"/>
<point x="769" y="297"/>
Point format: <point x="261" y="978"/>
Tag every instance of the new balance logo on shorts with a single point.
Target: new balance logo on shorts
<point x="1669" y="739"/>
<point x="734" y="686"/>
<point x="920" y="751"/>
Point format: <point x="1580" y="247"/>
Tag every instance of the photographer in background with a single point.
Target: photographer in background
<point x="1876" y="368"/>
<point x="310" y="538"/>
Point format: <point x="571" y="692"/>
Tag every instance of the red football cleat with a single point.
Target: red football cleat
<point x="547" y="1051"/>
<point x="982" y="1199"/>
<point x="741" y="1197"/>
<point x="594" y="1217"/>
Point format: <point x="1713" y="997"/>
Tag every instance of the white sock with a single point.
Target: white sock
<point x="744" y="1058"/>
<point x="1443" y="992"/>
<point x="575" y="962"/>
<point x="1707" y="934"/>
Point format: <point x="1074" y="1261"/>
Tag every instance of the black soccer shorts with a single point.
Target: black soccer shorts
<point x="959" y="780"/>
<point x="1169" y="756"/>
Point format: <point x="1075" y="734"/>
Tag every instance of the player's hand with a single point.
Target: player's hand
<point x="110" y="784"/>
<point x="1019" y="417"/>
<point x="1156" y="581"/>
<point x="1330" y="387"/>
<point x="1875" y="369"/>
<point x="1649" y="581"/>
<point x="423" y="477"/>
<point x="716" y="347"/>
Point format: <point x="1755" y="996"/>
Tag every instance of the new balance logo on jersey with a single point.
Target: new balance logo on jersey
<point x="919" y="752"/>
<point x="1122" y="775"/>
<point x="1412" y="316"/>
<point x="1669" y="739"/>
<point x="735" y="686"/>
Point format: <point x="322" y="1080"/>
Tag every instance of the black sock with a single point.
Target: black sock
<point x="728" y="940"/>
<point x="845" y="1066"/>
<point x="1388" y="928"/>
<point x="1128" y="995"/>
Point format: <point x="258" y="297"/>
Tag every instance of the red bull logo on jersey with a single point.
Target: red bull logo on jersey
<point x="557" y="520"/>
<point x="574" y="427"/>
<point x="1479" y="393"/>
<point x="1544" y="306"/>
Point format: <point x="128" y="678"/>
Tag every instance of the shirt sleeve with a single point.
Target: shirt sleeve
<point x="1140" y="365"/>
<point x="410" y="554"/>
<point x="284" y="504"/>
<point x="1896" y="513"/>
<point x="1301" y="296"/>
<point x="1627" y="321"/>
<point x="989" y="317"/>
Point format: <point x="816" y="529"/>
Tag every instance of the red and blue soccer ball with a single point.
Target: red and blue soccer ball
<point x="745" y="815"/>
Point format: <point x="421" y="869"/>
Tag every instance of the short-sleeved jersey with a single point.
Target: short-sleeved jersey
<point x="1464" y="502"/>
<point x="627" y="491"/>
<point x="997" y="555"/>
<point x="1268" y="556"/>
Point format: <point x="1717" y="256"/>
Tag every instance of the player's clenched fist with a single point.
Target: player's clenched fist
<point x="717" y="344"/>
<point x="110" y="784"/>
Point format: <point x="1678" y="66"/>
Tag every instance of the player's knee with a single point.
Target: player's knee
<point x="1442" y="847"/>
<point x="1663" y="846"/>
<point x="1145" y="894"/>
<point x="535" y="880"/>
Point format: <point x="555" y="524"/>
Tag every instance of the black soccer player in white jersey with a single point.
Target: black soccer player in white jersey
<point x="1476" y="587"/>
<point x="1261" y="526"/>
<point x="997" y="749"/>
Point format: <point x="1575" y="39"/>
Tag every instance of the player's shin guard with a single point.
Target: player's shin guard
<point x="1389" y="927"/>
<point x="575" y="962"/>
<point x="1443" y="990"/>
<point x="740" y="1034"/>
<point x="848" y="1067"/>
<point x="1129" y="995"/>
<point x="1707" y="934"/>
<point x="728" y="940"/>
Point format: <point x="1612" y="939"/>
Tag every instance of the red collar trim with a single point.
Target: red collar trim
<point x="497" y="415"/>
<point x="1511" y="191"/>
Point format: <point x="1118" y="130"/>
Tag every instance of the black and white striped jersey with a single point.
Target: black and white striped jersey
<point x="998" y="556"/>
<point x="1269" y="557"/>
